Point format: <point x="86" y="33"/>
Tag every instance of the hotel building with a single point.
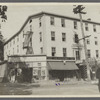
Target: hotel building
<point x="46" y="43"/>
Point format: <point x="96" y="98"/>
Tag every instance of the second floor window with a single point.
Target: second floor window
<point x="40" y="36"/>
<point x="86" y="27"/>
<point x="97" y="53"/>
<point x="77" y="55"/>
<point x="88" y="53"/>
<point x="52" y="20"/>
<point x="52" y="35"/>
<point x="53" y="51"/>
<point x="94" y="28"/>
<point x="63" y="36"/>
<point x="63" y="22"/>
<point x="64" y="52"/>
<point x="75" y="24"/>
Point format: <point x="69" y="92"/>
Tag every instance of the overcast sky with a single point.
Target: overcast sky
<point x="19" y="12"/>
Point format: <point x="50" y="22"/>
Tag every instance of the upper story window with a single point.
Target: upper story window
<point x="41" y="50"/>
<point x="30" y="27"/>
<point x="53" y="51"/>
<point x="30" y="21"/>
<point x="63" y="36"/>
<point x="97" y="53"/>
<point x="86" y="27"/>
<point x="88" y="41"/>
<point x="77" y="55"/>
<point x="10" y="43"/>
<point x="94" y="28"/>
<point x="89" y="53"/>
<point x="63" y="22"/>
<point x="75" y="24"/>
<point x="40" y="36"/>
<point x="96" y="41"/>
<point x="52" y="35"/>
<point x="64" y="52"/>
<point x="23" y="34"/>
<point x="40" y="24"/>
<point x="17" y="38"/>
<point x="17" y="48"/>
<point x="52" y="20"/>
<point x="14" y="41"/>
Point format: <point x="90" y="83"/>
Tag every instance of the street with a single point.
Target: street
<point x="56" y="89"/>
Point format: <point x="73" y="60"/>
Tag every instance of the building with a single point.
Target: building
<point x="51" y="36"/>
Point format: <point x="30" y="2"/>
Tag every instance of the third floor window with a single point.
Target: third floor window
<point x="75" y="24"/>
<point x="63" y="22"/>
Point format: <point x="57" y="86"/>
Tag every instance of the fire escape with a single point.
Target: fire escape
<point x="27" y="44"/>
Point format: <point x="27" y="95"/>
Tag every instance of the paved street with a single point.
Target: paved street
<point x="67" y="89"/>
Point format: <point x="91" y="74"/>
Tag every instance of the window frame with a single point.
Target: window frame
<point x="52" y="20"/>
<point x="53" y="51"/>
<point x="64" y="52"/>
<point x="62" y="22"/>
<point x="52" y="35"/>
<point x="89" y="53"/>
<point x="63" y="37"/>
<point x="75" y="24"/>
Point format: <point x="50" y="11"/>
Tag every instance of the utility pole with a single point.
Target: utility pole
<point x="76" y="10"/>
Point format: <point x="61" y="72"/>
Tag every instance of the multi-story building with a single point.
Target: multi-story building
<point x="52" y="35"/>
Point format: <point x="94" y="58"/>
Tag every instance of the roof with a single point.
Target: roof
<point x="49" y="14"/>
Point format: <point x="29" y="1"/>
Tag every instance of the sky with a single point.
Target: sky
<point x="17" y="13"/>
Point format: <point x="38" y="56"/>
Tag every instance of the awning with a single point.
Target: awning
<point x="59" y="65"/>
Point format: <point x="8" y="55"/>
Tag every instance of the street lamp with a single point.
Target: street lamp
<point x="79" y="10"/>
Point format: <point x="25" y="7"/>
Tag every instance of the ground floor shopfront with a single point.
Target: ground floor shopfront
<point x="40" y="67"/>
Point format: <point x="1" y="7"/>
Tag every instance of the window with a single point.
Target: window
<point x="94" y="28"/>
<point x="96" y="42"/>
<point x="41" y="50"/>
<point x="13" y="50"/>
<point x="10" y="43"/>
<point x="52" y="20"/>
<point x="9" y="52"/>
<point x="30" y="21"/>
<point x="97" y="53"/>
<point x="75" y="24"/>
<point x="40" y="36"/>
<point x="88" y="41"/>
<point x="63" y="36"/>
<point x="86" y="27"/>
<point x="40" y="24"/>
<point x="53" y="51"/>
<point x="17" y="38"/>
<point x="77" y="55"/>
<point x="63" y="22"/>
<point x="64" y="52"/>
<point x="23" y="34"/>
<point x="52" y="35"/>
<point x="30" y="27"/>
<point x="14" y="41"/>
<point x="17" y="48"/>
<point x="88" y="53"/>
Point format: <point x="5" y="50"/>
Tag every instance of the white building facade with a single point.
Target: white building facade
<point x="53" y="36"/>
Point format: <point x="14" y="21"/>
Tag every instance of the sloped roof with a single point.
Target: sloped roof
<point x="49" y="14"/>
